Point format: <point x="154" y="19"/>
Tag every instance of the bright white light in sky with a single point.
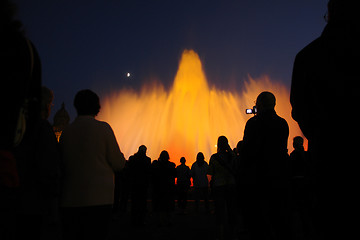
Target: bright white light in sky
<point x="128" y="74"/>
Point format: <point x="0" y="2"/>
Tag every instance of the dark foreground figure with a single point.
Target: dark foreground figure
<point x="324" y="86"/>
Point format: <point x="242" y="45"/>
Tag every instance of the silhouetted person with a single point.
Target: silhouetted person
<point x="121" y="191"/>
<point x="266" y="171"/>
<point x="324" y="88"/>
<point x="20" y="97"/>
<point x="240" y="184"/>
<point x="301" y="192"/>
<point x="90" y="156"/>
<point x="49" y="164"/>
<point x="163" y="179"/>
<point x="199" y="171"/>
<point x="221" y="167"/>
<point x="39" y="199"/>
<point x="20" y="78"/>
<point x="183" y="183"/>
<point x="298" y="158"/>
<point x="139" y="172"/>
<point x="238" y="163"/>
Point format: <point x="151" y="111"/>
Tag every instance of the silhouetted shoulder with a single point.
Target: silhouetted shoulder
<point x="283" y="121"/>
<point x="282" y="125"/>
<point x="212" y="158"/>
<point x="310" y="55"/>
<point x="131" y="158"/>
<point x="100" y="123"/>
<point x="250" y="124"/>
<point x="104" y="126"/>
<point x="172" y="165"/>
<point x="310" y="47"/>
<point x="252" y="120"/>
<point x="88" y="124"/>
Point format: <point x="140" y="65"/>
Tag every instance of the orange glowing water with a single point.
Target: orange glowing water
<point x="189" y="117"/>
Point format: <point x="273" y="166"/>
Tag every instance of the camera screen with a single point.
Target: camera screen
<point x="249" y="111"/>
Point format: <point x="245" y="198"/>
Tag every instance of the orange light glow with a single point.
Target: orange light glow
<point x="189" y="117"/>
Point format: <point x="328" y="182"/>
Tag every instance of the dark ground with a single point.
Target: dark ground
<point x="188" y="225"/>
<point x="191" y="225"/>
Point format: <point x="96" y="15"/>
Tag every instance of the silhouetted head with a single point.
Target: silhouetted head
<point x="200" y="156"/>
<point x="239" y="146"/>
<point x="200" y="159"/>
<point x="265" y="101"/>
<point x="342" y="11"/>
<point x="87" y="102"/>
<point x="142" y="149"/>
<point x="47" y="97"/>
<point x="182" y="160"/>
<point x="222" y="144"/>
<point x="298" y="143"/>
<point x="164" y="156"/>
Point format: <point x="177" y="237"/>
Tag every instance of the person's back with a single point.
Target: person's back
<point x="20" y="78"/>
<point x="298" y="163"/>
<point x="223" y="188"/>
<point x="323" y="89"/>
<point x="164" y="174"/>
<point x="199" y="170"/>
<point x="330" y="63"/>
<point x="300" y="189"/>
<point x="88" y="176"/>
<point x="324" y="74"/>
<point x="220" y="168"/>
<point x="299" y="159"/>
<point x="183" y="174"/>
<point x="139" y="169"/>
<point x="90" y="157"/>
<point x="265" y="145"/>
<point x="265" y="163"/>
<point x="199" y="173"/>
<point x="163" y="180"/>
<point x="183" y="183"/>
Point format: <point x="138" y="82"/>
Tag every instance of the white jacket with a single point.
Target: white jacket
<point x="90" y="156"/>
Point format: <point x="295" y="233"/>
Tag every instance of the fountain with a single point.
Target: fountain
<point x="190" y="116"/>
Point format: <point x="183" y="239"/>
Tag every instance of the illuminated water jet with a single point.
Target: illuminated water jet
<point x="190" y="116"/>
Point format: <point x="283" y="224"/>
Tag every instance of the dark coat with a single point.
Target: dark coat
<point x="325" y="85"/>
<point x="265" y="148"/>
<point x="163" y="180"/>
<point x="18" y="84"/>
<point x="324" y="97"/>
<point x="325" y="100"/>
<point x="139" y="170"/>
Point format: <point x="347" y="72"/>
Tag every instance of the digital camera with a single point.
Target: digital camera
<point x="251" y="110"/>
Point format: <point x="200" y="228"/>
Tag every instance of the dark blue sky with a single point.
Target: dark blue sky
<point x="94" y="43"/>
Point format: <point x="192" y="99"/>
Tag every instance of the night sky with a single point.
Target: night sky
<point x="94" y="43"/>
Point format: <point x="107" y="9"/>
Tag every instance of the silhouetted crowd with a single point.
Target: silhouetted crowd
<point x="84" y="181"/>
<point x="73" y="180"/>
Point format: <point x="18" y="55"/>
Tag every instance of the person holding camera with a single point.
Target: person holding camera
<point x="265" y="161"/>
